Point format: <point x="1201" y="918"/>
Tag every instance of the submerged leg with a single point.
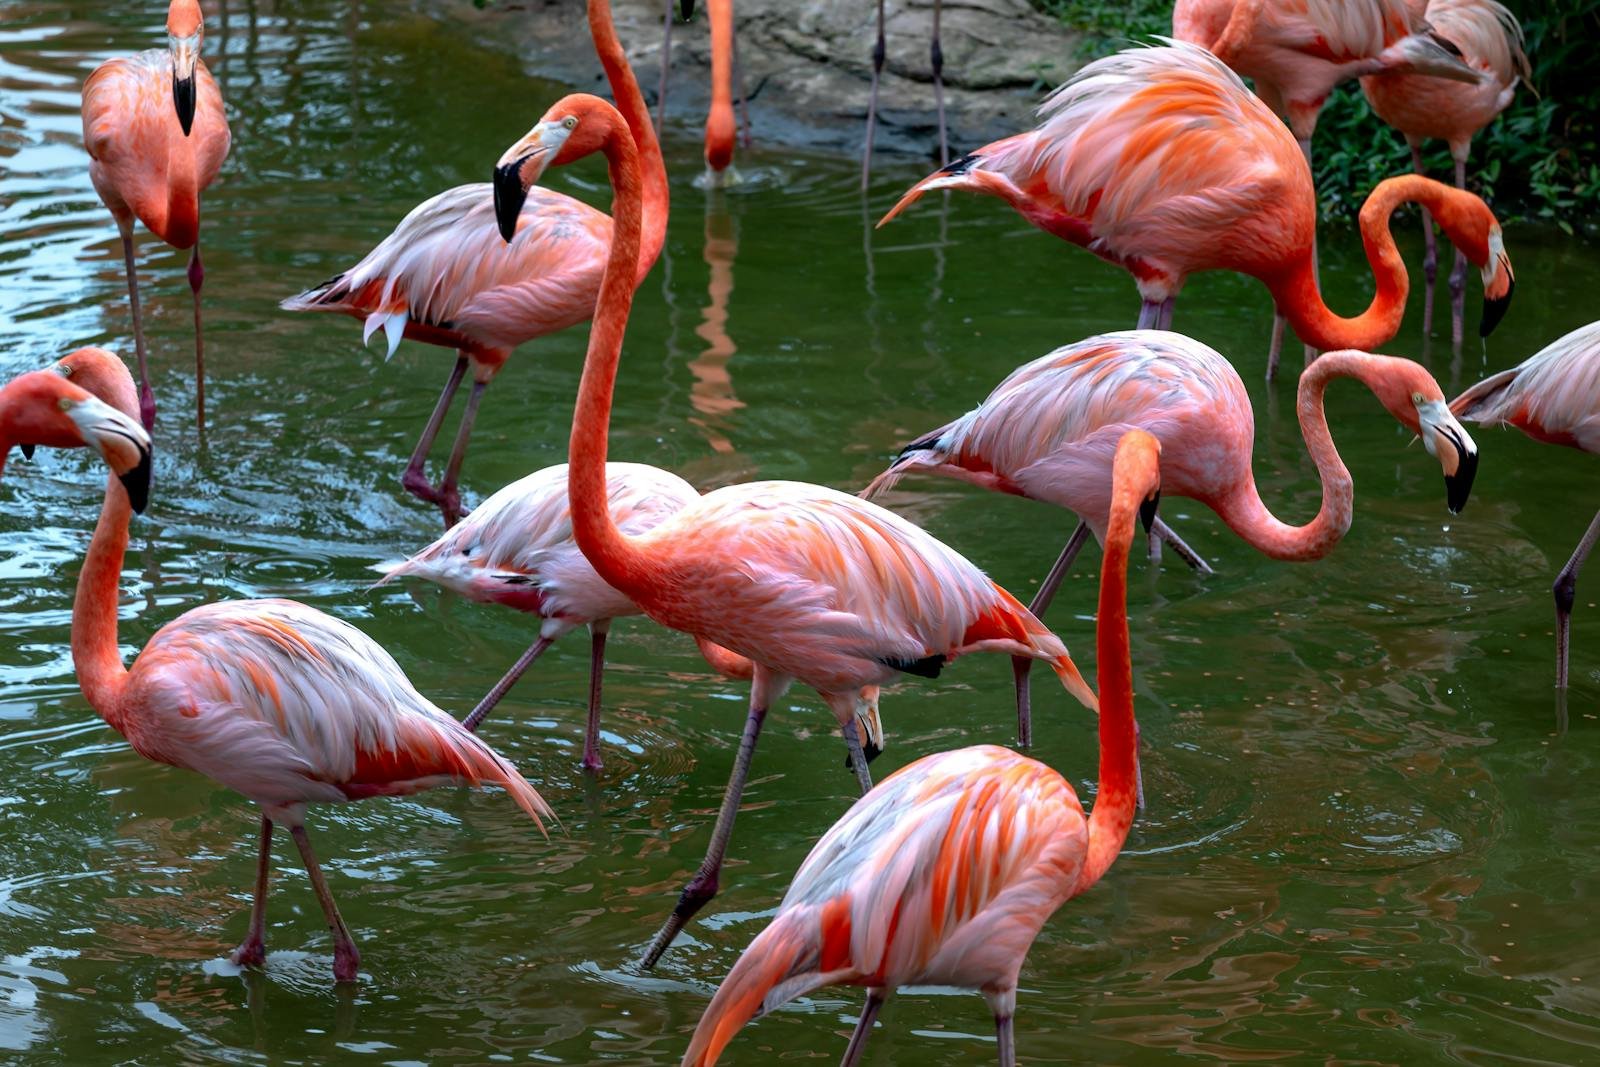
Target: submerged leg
<point x="346" y="959"/>
<point x="863" y="1030"/>
<point x="415" y="478"/>
<point x="1458" y="274"/>
<point x="1022" y="666"/>
<point x="879" y="51"/>
<point x="253" y="952"/>
<point x="936" y="56"/>
<point x="507" y="680"/>
<point x="197" y="278"/>
<point x="1430" y="247"/>
<point x="1194" y="559"/>
<point x="1005" y="1041"/>
<point x="449" y="497"/>
<point x="703" y="885"/>
<point x="597" y="666"/>
<point x="147" y="398"/>
<point x="1566" y="590"/>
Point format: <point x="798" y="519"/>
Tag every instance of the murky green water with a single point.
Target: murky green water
<point x="1366" y="839"/>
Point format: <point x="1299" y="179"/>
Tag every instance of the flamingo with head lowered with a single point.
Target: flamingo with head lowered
<point x="270" y="698"/>
<point x="808" y="583"/>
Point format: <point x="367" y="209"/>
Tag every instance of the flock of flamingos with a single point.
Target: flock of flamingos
<point x="1157" y="159"/>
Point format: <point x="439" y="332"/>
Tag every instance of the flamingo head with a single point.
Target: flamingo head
<point x="44" y="408"/>
<point x="185" y="27"/>
<point x="1472" y="227"/>
<point x="1413" y="396"/>
<point x="574" y="127"/>
<point x="103" y="376"/>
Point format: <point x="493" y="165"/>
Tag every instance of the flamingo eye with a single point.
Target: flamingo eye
<point x="1416" y="398"/>
<point x="65" y="403"/>
<point x="570" y="121"/>
<point x="64" y="369"/>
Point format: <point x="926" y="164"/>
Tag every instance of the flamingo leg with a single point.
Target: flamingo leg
<point x="703" y="885"/>
<point x="346" y="958"/>
<point x="879" y="51"/>
<point x="449" y="497"/>
<point x="936" y="58"/>
<point x="507" y="680"/>
<point x="863" y="1030"/>
<point x="1164" y="313"/>
<point x="597" y="667"/>
<point x="666" y="66"/>
<point x="1149" y="315"/>
<point x="1430" y="247"/>
<point x="1458" y="274"/>
<point x="415" y="478"/>
<point x="197" y="278"/>
<point x="147" y="397"/>
<point x="253" y="952"/>
<point x="1005" y="1041"/>
<point x="858" y="757"/>
<point x="1022" y="666"/>
<point x="1566" y="590"/>
<point x="1275" y="349"/>
<point x="1194" y="559"/>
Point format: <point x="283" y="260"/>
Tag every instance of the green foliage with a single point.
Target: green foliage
<point x="1541" y="156"/>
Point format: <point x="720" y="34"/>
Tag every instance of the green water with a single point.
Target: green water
<point x="1367" y="837"/>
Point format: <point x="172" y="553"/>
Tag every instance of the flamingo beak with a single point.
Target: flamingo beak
<point x="1448" y="441"/>
<point x="1147" y="511"/>
<point x="1499" y="282"/>
<point x="122" y="442"/>
<point x="27" y="451"/>
<point x="516" y="172"/>
<point x="185" y="52"/>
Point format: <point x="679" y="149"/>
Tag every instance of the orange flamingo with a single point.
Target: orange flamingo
<point x="154" y="127"/>
<point x="1553" y="396"/>
<point x="270" y="698"/>
<point x="1490" y="41"/>
<point x="946" y="873"/>
<point x="1160" y="161"/>
<point x="451" y="275"/>
<point x="1048" y="432"/>
<point x="808" y="583"/>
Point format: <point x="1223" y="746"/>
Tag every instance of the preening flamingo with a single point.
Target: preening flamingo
<point x="1160" y="161"/>
<point x="1553" y="396"/>
<point x="270" y="698"/>
<point x="517" y="549"/>
<point x="156" y="134"/>
<point x="810" y="584"/>
<point x="946" y="872"/>
<point x="451" y="275"/>
<point x="1050" y="430"/>
<point x="1490" y="41"/>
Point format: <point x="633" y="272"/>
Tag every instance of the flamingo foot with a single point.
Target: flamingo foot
<point x="346" y="961"/>
<point x="147" y="408"/>
<point x="253" y="953"/>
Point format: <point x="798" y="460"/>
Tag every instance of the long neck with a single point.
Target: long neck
<point x="1295" y="288"/>
<point x="1117" y="796"/>
<point x="630" y="101"/>
<point x="1242" y="508"/>
<point x="719" y="122"/>
<point x="183" y="187"/>
<point x="607" y="548"/>
<point x="95" y="654"/>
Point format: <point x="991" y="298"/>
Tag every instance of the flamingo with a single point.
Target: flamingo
<point x="1553" y="396"/>
<point x="808" y="583"/>
<point x="270" y="698"/>
<point x="1049" y="431"/>
<point x="1490" y="41"/>
<point x="516" y="549"/>
<point x="946" y="873"/>
<point x="1160" y="161"/>
<point x="451" y="275"/>
<point x="146" y="165"/>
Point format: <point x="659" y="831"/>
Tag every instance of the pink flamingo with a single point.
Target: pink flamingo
<point x="1553" y="396"/>
<point x="270" y="698"/>
<point x="450" y="275"/>
<point x="516" y="549"/>
<point x="1160" y="161"/>
<point x="946" y="873"/>
<point x="1490" y="41"/>
<point x="1049" y="432"/>
<point x="156" y="134"/>
<point x="808" y="583"/>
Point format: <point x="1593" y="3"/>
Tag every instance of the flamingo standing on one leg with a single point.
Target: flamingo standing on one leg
<point x="1553" y="396"/>
<point x="156" y="134"/>
<point x="936" y="62"/>
<point x="1160" y="161"/>
<point x="270" y="698"/>
<point x="517" y="549"/>
<point x="1049" y="432"/>
<point x="1490" y="41"/>
<point x="810" y="584"/>
<point x="945" y="873"/>
<point x="450" y="275"/>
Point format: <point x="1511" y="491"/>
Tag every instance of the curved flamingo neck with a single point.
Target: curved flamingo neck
<point x="725" y="662"/>
<point x="1117" y="798"/>
<point x="612" y="553"/>
<point x="181" y="228"/>
<point x="95" y="653"/>
<point x="630" y="102"/>
<point x="720" y="123"/>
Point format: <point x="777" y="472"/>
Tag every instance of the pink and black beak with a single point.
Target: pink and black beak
<point x="185" y="52"/>
<point x="1448" y="442"/>
<point x="519" y="167"/>
<point x="1498" y="284"/>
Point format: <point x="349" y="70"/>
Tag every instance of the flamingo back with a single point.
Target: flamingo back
<point x="1552" y="396"/>
<point x="288" y="705"/>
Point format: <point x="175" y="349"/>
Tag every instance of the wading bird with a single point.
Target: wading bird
<point x="1490" y="41"/>
<point x="1160" y="161"/>
<point x="946" y="872"/>
<point x="269" y="698"/>
<point x="156" y="134"/>
<point x="451" y="275"/>
<point x="810" y="584"/>
<point x="1553" y="396"/>
<point x="1050" y="430"/>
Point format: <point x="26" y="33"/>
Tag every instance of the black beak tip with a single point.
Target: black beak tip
<point x="869" y="750"/>
<point x="1495" y="310"/>
<point x="1458" y="486"/>
<point x="183" y="100"/>
<point x="1147" y="511"/>
<point x="27" y="451"/>
<point x="137" y="483"/>
<point x="509" y="196"/>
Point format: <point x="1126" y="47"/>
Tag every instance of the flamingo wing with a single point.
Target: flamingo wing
<point x="1553" y="395"/>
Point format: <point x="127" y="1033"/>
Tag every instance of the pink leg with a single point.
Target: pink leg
<point x="1430" y="248"/>
<point x="1458" y="274"/>
<point x="879" y="52"/>
<point x="936" y="57"/>
<point x="1149" y="315"/>
<point x="1164" y="315"/>
<point x="507" y="680"/>
<point x="346" y="959"/>
<point x="253" y="952"/>
<point x="415" y="478"/>
<point x="147" y="398"/>
<point x="858" y="1039"/>
<point x="449" y="497"/>
<point x="1022" y="666"/>
<point x="1005" y="1041"/>
<point x="1276" y="348"/>
<point x="597" y="666"/>
<point x="197" y="278"/>
<point x="1566" y="591"/>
